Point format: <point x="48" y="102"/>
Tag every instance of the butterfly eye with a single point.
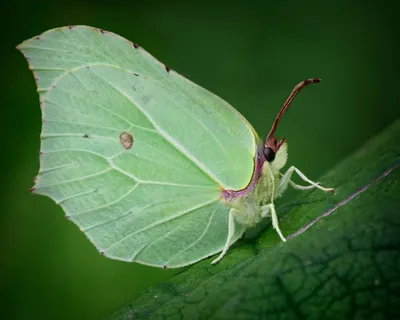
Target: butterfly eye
<point x="269" y="154"/>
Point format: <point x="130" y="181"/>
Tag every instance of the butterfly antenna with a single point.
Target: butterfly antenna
<point x="271" y="141"/>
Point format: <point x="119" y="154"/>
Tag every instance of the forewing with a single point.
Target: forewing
<point x="202" y="126"/>
<point x="155" y="200"/>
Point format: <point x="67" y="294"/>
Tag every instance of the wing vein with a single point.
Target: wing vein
<point x="176" y="216"/>
<point x="44" y="48"/>
<point x="166" y="136"/>
<point x="74" y="214"/>
<point x="142" y="248"/>
<point x="79" y="150"/>
<point x="136" y="213"/>
<point x="177" y="168"/>
<point x="156" y="67"/>
<point x="81" y="194"/>
<point x="197" y="241"/>
<point x="76" y="179"/>
<point x="98" y="105"/>
<point x="77" y="135"/>
<point x="161" y="183"/>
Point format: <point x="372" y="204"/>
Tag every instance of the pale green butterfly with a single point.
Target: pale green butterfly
<point x="152" y="167"/>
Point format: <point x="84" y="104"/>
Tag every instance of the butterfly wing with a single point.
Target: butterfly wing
<point x="155" y="200"/>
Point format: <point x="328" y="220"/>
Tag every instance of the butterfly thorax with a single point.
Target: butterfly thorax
<point x="262" y="189"/>
<point x="247" y="209"/>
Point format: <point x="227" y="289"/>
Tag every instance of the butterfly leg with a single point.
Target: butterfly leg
<point x="269" y="209"/>
<point x="285" y="180"/>
<point x="300" y="187"/>
<point x="231" y="232"/>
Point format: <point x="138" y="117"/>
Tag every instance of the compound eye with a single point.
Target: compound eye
<point x="269" y="154"/>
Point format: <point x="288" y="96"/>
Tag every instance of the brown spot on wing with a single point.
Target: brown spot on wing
<point x="126" y="140"/>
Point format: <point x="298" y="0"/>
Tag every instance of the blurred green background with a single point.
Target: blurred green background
<point x="250" y="54"/>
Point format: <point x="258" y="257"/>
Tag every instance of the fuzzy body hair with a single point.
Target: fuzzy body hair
<point x="247" y="209"/>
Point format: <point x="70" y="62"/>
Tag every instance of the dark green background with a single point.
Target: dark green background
<point x="251" y="55"/>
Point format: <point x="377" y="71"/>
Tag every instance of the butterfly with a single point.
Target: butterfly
<point x="152" y="167"/>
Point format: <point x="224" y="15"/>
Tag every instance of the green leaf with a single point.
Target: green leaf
<point x="346" y="265"/>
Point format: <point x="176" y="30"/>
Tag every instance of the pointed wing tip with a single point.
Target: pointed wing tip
<point x="20" y="47"/>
